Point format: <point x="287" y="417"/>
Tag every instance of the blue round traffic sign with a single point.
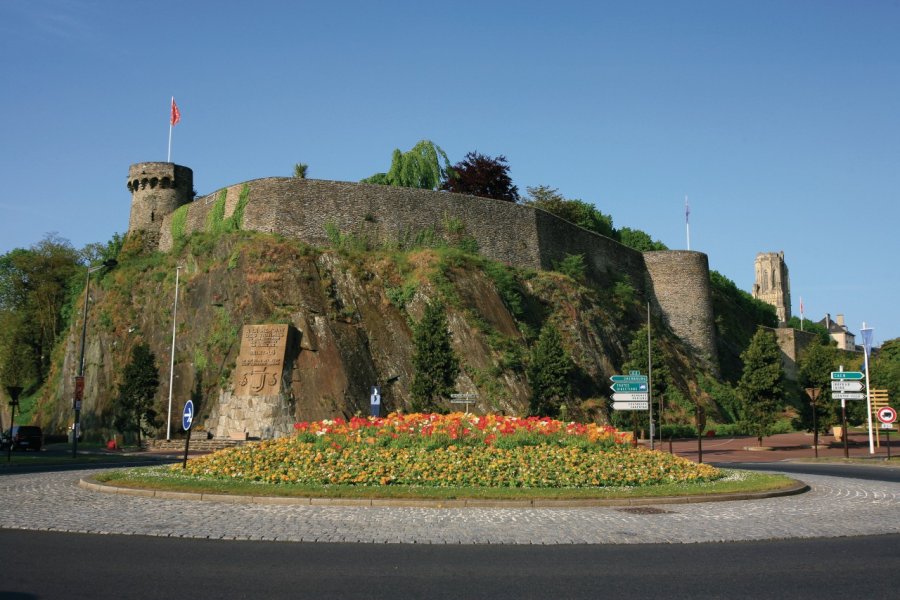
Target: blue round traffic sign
<point x="187" y="415"/>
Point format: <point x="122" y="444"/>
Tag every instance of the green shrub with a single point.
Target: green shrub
<point x="216" y="215"/>
<point x="179" y="221"/>
<point x="572" y="265"/>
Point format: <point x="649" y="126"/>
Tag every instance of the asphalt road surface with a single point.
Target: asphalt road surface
<point x="71" y="566"/>
<point x="854" y="471"/>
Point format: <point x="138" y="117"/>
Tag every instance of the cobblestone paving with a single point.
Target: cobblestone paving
<point x="834" y="507"/>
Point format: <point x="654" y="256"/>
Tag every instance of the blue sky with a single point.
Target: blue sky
<point x="779" y="119"/>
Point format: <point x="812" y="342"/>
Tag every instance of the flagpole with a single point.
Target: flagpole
<point x="169" y="156"/>
<point x="687" y="222"/>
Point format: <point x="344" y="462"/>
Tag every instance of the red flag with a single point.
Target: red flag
<point x="176" y="115"/>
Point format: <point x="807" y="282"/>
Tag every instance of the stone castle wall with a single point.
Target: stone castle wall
<point x="792" y="343"/>
<point x="680" y="280"/>
<point x="676" y="283"/>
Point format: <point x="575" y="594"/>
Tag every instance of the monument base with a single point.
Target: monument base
<point x="260" y="417"/>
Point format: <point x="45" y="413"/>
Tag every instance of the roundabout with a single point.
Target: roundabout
<point x="834" y="507"/>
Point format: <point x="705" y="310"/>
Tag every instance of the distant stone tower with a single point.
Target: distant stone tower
<point x="773" y="284"/>
<point x="157" y="189"/>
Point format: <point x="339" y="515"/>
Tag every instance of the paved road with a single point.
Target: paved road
<point x="834" y="507"/>
<point x="75" y="566"/>
<point x="872" y="472"/>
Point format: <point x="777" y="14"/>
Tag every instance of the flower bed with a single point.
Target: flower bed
<point x="453" y="450"/>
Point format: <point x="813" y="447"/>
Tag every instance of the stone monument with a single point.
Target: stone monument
<point x="257" y="407"/>
<point x="261" y="361"/>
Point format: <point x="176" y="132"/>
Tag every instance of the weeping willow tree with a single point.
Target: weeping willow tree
<point x="425" y="166"/>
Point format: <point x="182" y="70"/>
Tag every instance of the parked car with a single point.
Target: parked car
<point x="25" y="437"/>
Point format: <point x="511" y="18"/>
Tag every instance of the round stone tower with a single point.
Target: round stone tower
<point x="680" y="280"/>
<point x="157" y="189"/>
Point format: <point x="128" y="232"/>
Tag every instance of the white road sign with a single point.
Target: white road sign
<point x="631" y="397"/>
<point x="848" y="396"/>
<point x="847" y="386"/>
<point x="631" y="406"/>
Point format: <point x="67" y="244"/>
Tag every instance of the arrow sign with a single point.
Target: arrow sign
<point x="848" y="395"/>
<point x="636" y="397"/>
<point x="629" y="378"/>
<point x="847" y="386"/>
<point x="187" y="416"/>
<point x="631" y="405"/>
<point x="629" y="387"/>
<point x="846" y="375"/>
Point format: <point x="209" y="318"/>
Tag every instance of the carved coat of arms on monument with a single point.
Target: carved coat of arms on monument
<point x="261" y="360"/>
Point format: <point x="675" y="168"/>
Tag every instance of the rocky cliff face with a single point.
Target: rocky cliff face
<point x="352" y="312"/>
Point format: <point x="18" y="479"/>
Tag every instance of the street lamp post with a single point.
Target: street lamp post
<point x="866" y="333"/>
<point x="76" y="404"/>
<point x="172" y="357"/>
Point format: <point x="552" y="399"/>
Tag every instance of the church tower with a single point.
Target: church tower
<point x="773" y="284"/>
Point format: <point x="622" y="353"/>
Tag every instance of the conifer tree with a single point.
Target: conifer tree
<point x="548" y="373"/>
<point x="760" y="388"/>
<point x="134" y="409"/>
<point x="436" y="365"/>
<point x="815" y="366"/>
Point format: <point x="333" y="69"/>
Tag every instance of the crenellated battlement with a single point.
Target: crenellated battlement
<point x="157" y="189"/>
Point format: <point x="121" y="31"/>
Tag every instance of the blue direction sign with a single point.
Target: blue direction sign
<point x="628" y="378"/>
<point x="375" y="401"/>
<point x="846" y="375"/>
<point x="629" y="387"/>
<point x="187" y="415"/>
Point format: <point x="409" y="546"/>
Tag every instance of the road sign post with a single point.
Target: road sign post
<point x="841" y="376"/>
<point x="187" y="419"/>
<point x="887" y="416"/>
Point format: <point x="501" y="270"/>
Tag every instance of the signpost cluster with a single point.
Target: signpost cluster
<point x="846" y="385"/>
<point x="850" y="385"/>
<point x="632" y="392"/>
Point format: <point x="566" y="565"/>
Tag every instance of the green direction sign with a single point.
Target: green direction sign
<point x="629" y="387"/>
<point x="634" y="378"/>
<point x="846" y="375"/>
